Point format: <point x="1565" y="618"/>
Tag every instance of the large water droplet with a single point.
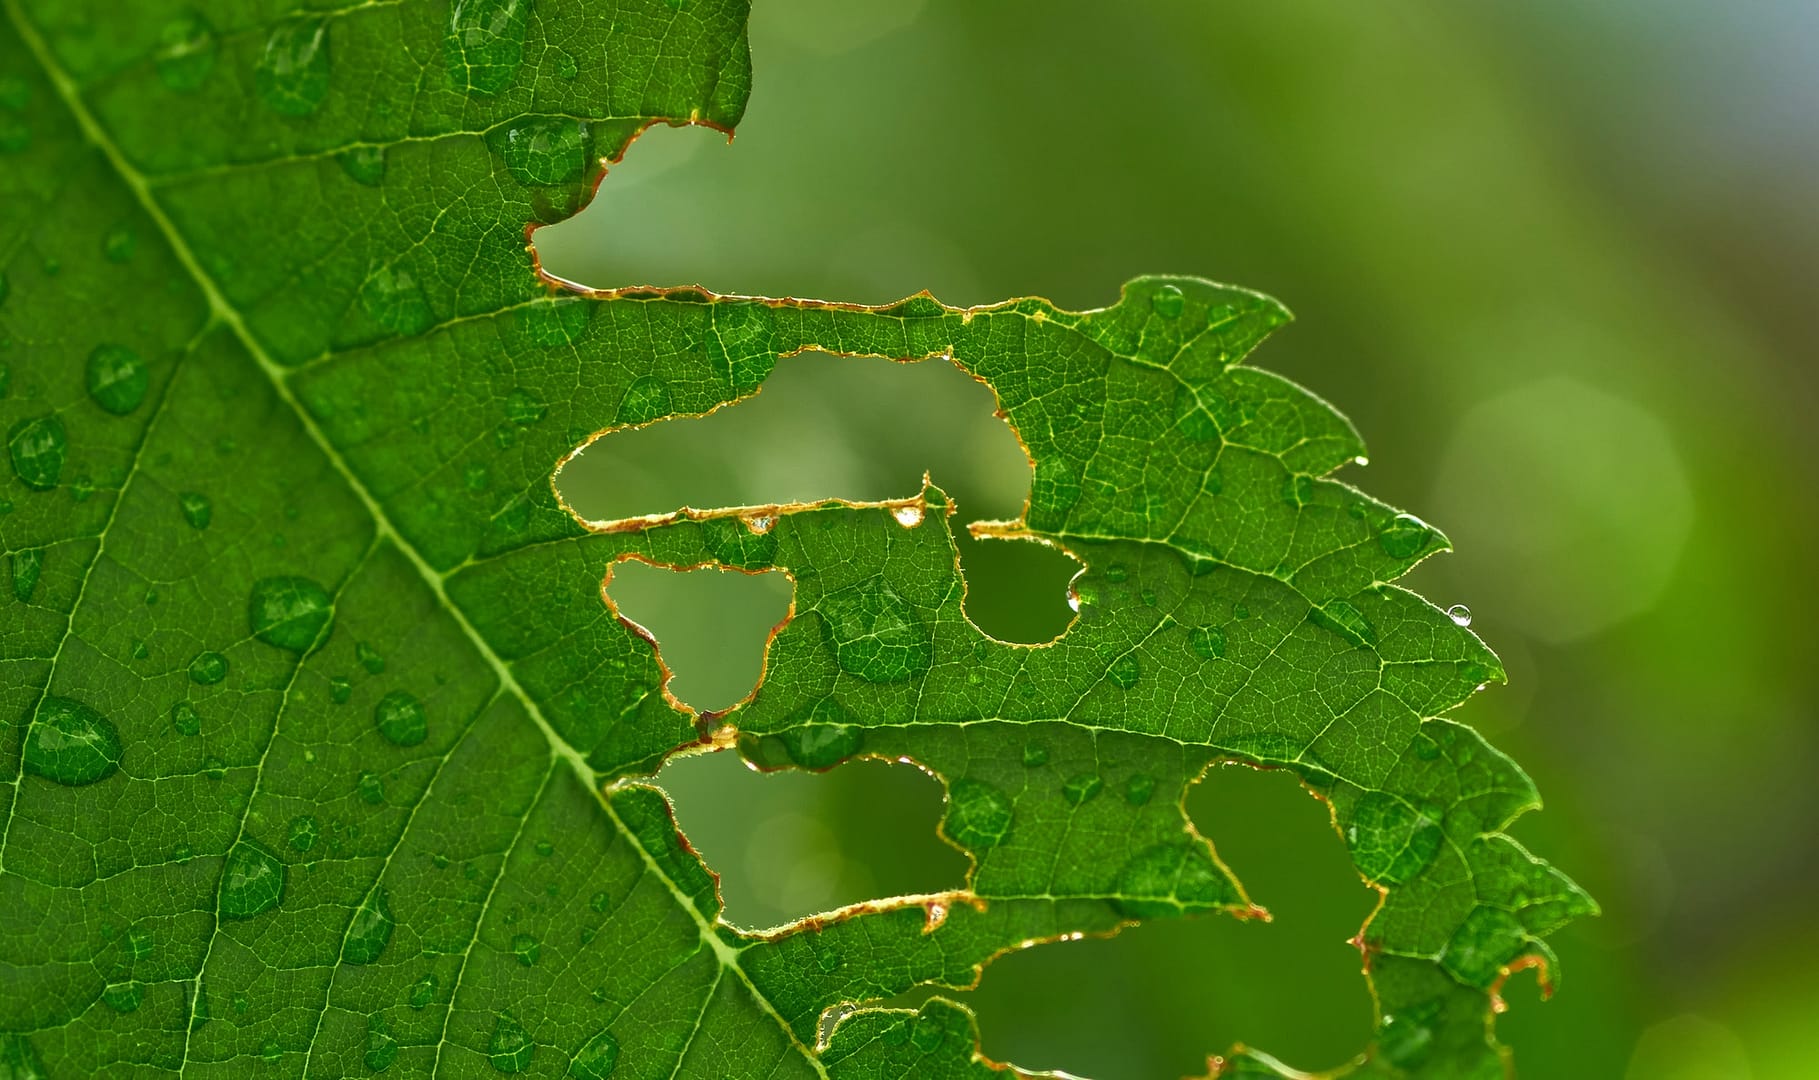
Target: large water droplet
<point x="1460" y="614"/>
<point x="400" y="718"/>
<point x="1390" y="840"/>
<point x="252" y="881"/>
<point x="26" y="565"/>
<point x="371" y="788"/>
<point x="292" y="74"/>
<point x="289" y="612"/>
<point x="1168" y="301"/>
<point x="484" y="46"/>
<point x="1082" y="788"/>
<point x="392" y="297"/>
<point x="1125" y="671"/>
<point x="1405" y="536"/>
<point x="1139" y="788"/>
<point x="370" y="930"/>
<point x="511" y="1047"/>
<point x="38" y="447"/>
<point x="122" y="997"/>
<point x="646" y="399"/>
<point x="365" y="164"/>
<point x="596" y="1059"/>
<point x="208" y="668"/>
<point x="1343" y="618"/>
<point x="978" y="814"/>
<point x="541" y="151"/>
<point x="71" y="743"/>
<point x="186" y="52"/>
<point x="876" y="634"/>
<point x="1208" y="642"/>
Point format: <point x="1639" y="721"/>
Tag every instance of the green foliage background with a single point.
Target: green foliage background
<point x="1553" y="264"/>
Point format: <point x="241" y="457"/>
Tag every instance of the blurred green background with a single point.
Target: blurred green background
<point x="1555" y="260"/>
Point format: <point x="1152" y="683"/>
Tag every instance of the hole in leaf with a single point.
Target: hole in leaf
<point x="791" y="844"/>
<point x="711" y="625"/>
<point x="1159" y="997"/>
<point x="853" y="428"/>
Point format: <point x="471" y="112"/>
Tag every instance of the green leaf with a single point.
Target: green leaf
<point x="321" y="746"/>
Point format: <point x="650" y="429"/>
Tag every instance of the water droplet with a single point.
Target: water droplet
<point x="1240" y="612"/>
<point x="1117" y="573"/>
<point x="369" y="658"/>
<point x="393" y="299"/>
<point x="1171" y="879"/>
<point x="545" y="848"/>
<point x="71" y="743"/>
<point x="208" y="668"/>
<point x="371" y="788"/>
<point x="526" y="948"/>
<point x="381" y="1047"/>
<point x="523" y="409"/>
<point x="1034" y="754"/>
<point x="26" y="566"/>
<point x="1208" y="642"/>
<point x="252" y="881"/>
<point x="876" y="634"/>
<point x="365" y="164"/>
<point x="1405" y="536"/>
<point x="1298" y="490"/>
<point x="1390" y="840"/>
<point x="1125" y="671"/>
<point x="1082" y="788"/>
<point x="370" y="930"/>
<point x="196" y="509"/>
<point x="646" y="399"/>
<point x="400" y="718"/>
<point x="978" y="814"/>
<point x="484" y="46"/>
<point x="38" y="447"/>
<point x="119" y="244"/>
<point x="423" y="991"/>
<point x="927" y="1032"/>
<point x="185" y="719"/>
<point x="596" y="1059"/>
<point x="511" y="1047"/>
<point x="1344" y="618"/>
<point x="122" y="997"/>
<point x="82" y="488"/>
<point x="566" y="68"/>
<point x="271" y="1051"/>
<point x="289" y="612"/>
<point x="1168" y="301"/>
<point x="340" y="688"/>
<point x="908" y="516"/>
<point x="600" y="902"/>
<point x="1139" y="788"/>
<point x="186" y="52"/>
<point x="292" y="74"/>
<point x="1460" y="614"/>
<point x="556" y="320"/>
<point x="214" y="768"/>
<point x="304" y="832"/>
<point x="541" y="151"/>
<point x="822" y="743"/>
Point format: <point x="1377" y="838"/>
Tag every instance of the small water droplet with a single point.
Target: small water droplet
<point x="304" y="832"/>
<point x="140" y="942"/>
<point x="760" y="523"/>
<point x="908" y="516"/>
<point x="510" y="1048"/>
<point x="596" y="1059"/>
<point x="369" y="658"/>
<point x="119" y="244"/>
<point x="271" y="1050"/>
<point x="1460" y="614"/>
<point x="1138" y="789"/>
<point x="38" y="447"/>
<point x="394" y="300"/>
<point x="370" y="929"/>
<point x="196" y="509"/>
<point x="340" y="688"/>
<point x="978" y="814"/>
<point x="523" y="409"/>
<point x="1208" y="642"/>
<point x="208" y="668"/>
<point x="555" y="320"/>
<point x="70" y="743"/>
<point x="252" y="881"/>
<point x="292" y="73"/>
<point x="1082" y="788"/>
<point x="122" y="997"/>
<point x="400" y="718"/>
<point x="371" y="788"/>
<point x="26" y="565"/>
<point x="364" y="164"/>
<point x="526" y="948"/>
<point x="186" y="52"/>
<point x="1298" y="490"/>
<point x="423" y="991"/>
<point x="1034" y="754"/>
<point x="289" y="612"/>
<point x="214" y="768"/>
<point x="185" y="719"/>
<point x="1125" y="671"/>
<point x="484" y="46"/>
<point x="1168" y="301"/>
<point x="566" y="68"/>
<point x="381" y="1047"/>
<point x="876" y="634"/>
<point x="545" y="848"/>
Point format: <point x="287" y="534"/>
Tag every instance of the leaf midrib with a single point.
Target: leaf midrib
<point x="224" y="313"/>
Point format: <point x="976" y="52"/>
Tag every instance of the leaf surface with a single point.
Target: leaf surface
<point x="321" y="742"/>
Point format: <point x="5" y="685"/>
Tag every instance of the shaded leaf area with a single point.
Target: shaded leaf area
<point x="319" y="733"/>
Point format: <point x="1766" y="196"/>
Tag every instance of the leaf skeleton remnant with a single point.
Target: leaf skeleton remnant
<point x="320" y="741"/>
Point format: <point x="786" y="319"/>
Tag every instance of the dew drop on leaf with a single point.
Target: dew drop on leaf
<point x="123" y="997"/>
<point x="1125" y="671"/>
<point x="371" y="788"/>
<point x="370" y="930"/>
<point x="484" y="46"/>
<point x="646" y="399"/>
<point x="1139" y="788"/>
<point x="1168" y="301"/>
<point x="196" y="509"/>
<point x="510" y="1047"/>
<point x="38" y="447"/>
<point x="118" y="244"/>
<point x="423" y="991"/>
<point x="364" y="164"/>
<point x="541" y="151"/>
<point x="876" y="634"/>
<point x="1169" y="879"/>
<point x="292" y="74"/>
<point x="26" y="567"/>
<point x="70" y="743"/>
<point x="394" y="300"/>
<point x="1034" y="755"/>
<point x="1405" y="536"/>
<point x="978" y="814"/>
<point x="596" y="1059"/>
<point x="289" y="612"/>
<point x="208" y="668"/>
<point x="1208" y="642"/>
<point x="399" y="717"/>
<point x="526" y="948"/>
<point x="1082" y="788"/>
<point x="381" y="1046"/>
<point x="1390" y="840"/>
<point x="185" y="719"/>
<point x="369" y="658"/>
<point x="186" y="52"/>
<point x="252" y="881"/>
<point x="1460" y="614"/>
<point x="340" y="688"/>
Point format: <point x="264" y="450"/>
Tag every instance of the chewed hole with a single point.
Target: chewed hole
<point x="710" y="625"/>
<point x="1159" y="997"/>
<point x="792" y="844"/>
<point x="851" y="428"/>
